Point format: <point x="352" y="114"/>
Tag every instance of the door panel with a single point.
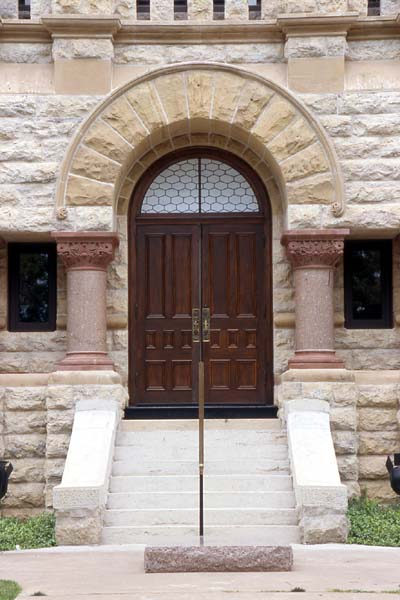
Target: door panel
<point x="168" y="287"/>
<point x="223" y="266"/>
<point x="233" y="276"/>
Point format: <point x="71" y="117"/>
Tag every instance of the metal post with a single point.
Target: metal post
<point x="201" y="450"/>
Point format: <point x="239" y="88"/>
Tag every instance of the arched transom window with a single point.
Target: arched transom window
<point x="199" y="185"/>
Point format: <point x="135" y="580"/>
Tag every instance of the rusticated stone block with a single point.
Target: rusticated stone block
<point x="344" y="418"/>
<point x="345" y="442"/>
<point x="25" y="422"/>
<point x="25" y="398"/>
<point x="373" y="467"/>
<point x="57" y="445"/>
<point x="348" y="467"/>
<point x="378" y="490"/>
<point x="24" y="446"/>
<point x="378" y="396"/>
<point x="372" y="419"/>
<point x="78" y="527"/>
<point x="324" y="529"/>
<point x="381" y="442"/>
<point x="24" y="495"/>
<point x="28" y="470"/>
<point x="195" y="559"/>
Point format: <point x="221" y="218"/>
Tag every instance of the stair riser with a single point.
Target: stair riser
<point x="219" y="452"/>
<point x="220" y="483"/>
<point x="190" y="438"/>
<point x="166" y="536"/>
<point x="184" y="425"/>
<point x="175" y="468"/>
<point x="186" y="500"/>
<point x="225" y="517"/>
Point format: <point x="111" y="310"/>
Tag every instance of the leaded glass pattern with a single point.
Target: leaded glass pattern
<point x="199" y="185"/>
<point x="223" y="189"/>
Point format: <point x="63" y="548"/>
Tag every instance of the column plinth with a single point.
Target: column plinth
<point x="314" y="255"/>
<point x="86" y="256"/>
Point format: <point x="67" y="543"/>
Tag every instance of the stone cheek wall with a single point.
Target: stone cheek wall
<point x="34" y="435"/>
<point x="36" y="419"/>
<point x="365" y="430"/>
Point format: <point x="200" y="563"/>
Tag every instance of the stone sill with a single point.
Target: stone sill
<point x="129" y="31"/>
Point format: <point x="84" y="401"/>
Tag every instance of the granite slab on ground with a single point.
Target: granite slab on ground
<point x="222" y="559"/>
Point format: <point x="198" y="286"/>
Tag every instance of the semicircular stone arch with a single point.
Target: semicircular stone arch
<point x="199" y="104"/>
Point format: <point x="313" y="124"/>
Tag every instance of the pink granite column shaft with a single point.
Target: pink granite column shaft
<point x="86" y="256"/>
<point x="314" y="255"/>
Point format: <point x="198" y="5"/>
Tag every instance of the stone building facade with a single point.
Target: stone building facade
<point x="93" y="94"/>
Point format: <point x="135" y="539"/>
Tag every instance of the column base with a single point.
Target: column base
<point x="316" y="359"/>
<point x="86" y="361"/>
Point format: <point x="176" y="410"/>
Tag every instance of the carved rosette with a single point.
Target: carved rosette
<point x="314" y="247"/>
<point x="86" y="250"/>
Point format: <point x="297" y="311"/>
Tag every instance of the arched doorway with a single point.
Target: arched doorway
<point x="200" y="285"/>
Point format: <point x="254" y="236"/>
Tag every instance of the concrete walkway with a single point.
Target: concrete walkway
<point x="116" y="573"/>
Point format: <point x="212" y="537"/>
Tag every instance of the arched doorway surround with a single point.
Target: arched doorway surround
<point x="194" y="103"/>
<point x="200" y="248"/>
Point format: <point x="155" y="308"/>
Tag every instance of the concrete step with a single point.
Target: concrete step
<point x="190" y="500"/>
<point x="190" y="438"/>
<point x="146" y="425"/>
<point x="174" y="535"/>
<point x="245" y="466"/>
<point x="189" y="517"/>
<point x="213" y="483"/>
<point x="215" y="451"/>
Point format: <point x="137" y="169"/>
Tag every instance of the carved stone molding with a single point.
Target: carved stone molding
<point x="86" y="250"/>
<point x="314" y="247"/>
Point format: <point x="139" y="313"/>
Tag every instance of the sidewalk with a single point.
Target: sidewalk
<point x="116" y="573"/>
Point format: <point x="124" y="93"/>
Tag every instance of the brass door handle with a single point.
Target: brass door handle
<point x="206" y="324"/>
<point x="195" y="325"/>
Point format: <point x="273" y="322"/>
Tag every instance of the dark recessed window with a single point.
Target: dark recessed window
<point x="24" y="9"/>
<point x="32" y="274"/>
<point x="143" y="10"/>
<point x="180" y="10"/>
<point x="374" y="7"/>
<point x="254" y="9"/>
<point x="219" y="9"/>
<point x="368" y="284"/>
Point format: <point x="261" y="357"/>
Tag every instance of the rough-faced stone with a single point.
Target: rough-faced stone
<point x="88" y="192"/>
<point x="194" y="559"/>
<point x="310" y="161"/>
<point x="103" y="139"/>
<point x="273" y="119"/>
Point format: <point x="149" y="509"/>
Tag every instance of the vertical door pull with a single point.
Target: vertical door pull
<point x="206" y="324"/>
<point x="195" y="325"/>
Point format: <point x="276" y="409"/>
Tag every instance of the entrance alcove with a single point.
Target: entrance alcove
<point x="179" y="109"/>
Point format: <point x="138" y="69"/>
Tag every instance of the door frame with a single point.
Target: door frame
<point x="135" y="219"/>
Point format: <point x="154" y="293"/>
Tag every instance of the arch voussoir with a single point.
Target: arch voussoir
<point x="198" y="104"/>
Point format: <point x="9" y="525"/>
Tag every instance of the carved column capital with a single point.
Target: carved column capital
<point x="314" y="247"/>
<point x="86" y="250"/>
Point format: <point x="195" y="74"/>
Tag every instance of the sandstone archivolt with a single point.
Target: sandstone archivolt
<point x="215" y="105"/>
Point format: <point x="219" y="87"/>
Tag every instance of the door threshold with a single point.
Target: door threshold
<point x="211" y="412"/>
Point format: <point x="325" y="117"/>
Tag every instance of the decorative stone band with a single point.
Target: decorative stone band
<point x="314" y="248"/>
<point x="86" y="250"/>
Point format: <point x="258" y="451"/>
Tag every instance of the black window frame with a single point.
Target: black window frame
<point x="386" y="249"/>
<point x="15" y="249"/>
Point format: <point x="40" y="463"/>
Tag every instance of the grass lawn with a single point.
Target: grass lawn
<point x="8" y="590"/>
<point x="372" y="524"/>
<point x="36" y="532"/>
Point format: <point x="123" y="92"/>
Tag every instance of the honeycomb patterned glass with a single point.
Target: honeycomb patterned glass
<point x="199" y="185"/>
<point x="223" y="189"/>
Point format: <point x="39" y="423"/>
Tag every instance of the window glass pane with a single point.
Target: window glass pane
<point x="33" y="287"/>
<point x="175" y="190"/>
<point x="223" y="189"/>
<point x="366" y="282"/>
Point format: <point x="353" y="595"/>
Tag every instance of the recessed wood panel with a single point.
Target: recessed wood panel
<point x="219" y="273"/>
<point x="182" y="275"/>
<point x="246" y="374"/>
<point x="155" y="375"/>
<point x="155" y="268"/>
<point x="220" y="377"/>
<point x="181" y="375"/>
<point x="246" y="269"/>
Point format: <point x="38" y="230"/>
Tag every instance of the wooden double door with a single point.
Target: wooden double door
<point x="201" y="293"/>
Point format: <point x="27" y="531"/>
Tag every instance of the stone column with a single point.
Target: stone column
<point x="314" y="255"/>
<point x="86" y="256"/>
